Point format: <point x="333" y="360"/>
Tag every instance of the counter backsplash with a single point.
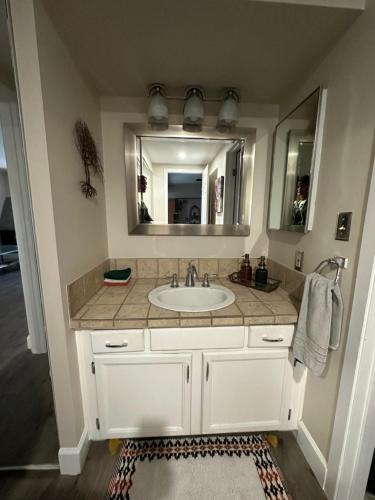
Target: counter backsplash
<point x="82" y="289"/>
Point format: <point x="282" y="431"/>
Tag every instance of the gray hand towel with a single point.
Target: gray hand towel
<point x="319" y="322"/>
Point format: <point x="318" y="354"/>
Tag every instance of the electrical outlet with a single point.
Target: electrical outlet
<point x="298" y="260"/>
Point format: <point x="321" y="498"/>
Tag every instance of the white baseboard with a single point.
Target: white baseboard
<point x="313" y="455"/>
<point x="72" y="460"/>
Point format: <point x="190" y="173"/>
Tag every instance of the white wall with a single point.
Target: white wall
<point x="70" y="230"/>
<point x="349" y="73"/>
<point x="116" y="112"/>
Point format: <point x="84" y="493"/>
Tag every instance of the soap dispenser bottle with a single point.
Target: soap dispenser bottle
<point x="261" y="274"/>
<point x="246" y="271"/>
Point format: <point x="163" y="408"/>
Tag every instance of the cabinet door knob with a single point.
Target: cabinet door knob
<point x="267" y="339"/>
<point x="116" y="346"/>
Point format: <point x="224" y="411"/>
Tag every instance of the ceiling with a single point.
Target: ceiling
<point x="182" y="151"/>
<point x="176" y="179"/>
<point x="257" y="46"/>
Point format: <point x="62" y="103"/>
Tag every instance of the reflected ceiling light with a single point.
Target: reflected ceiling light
<point x="158" y="109"/>
<point x="229" y="112"/>
<point x="193" y="109"/>
<point x="182" y="155"/>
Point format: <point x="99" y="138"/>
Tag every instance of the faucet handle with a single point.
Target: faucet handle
<point x="205" y="282"/>
<point x="174" y="282"/>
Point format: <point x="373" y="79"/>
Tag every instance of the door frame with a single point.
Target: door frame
<point x="24" y="225"/>
<point x="353" y="437"/>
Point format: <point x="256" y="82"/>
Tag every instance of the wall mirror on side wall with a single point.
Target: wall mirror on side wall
<point x="295" y="165"/>
<point x="179" y="183"/>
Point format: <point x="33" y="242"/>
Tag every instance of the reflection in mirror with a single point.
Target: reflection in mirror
<point x="296" y="158"/>
<point x="189" y="180"/>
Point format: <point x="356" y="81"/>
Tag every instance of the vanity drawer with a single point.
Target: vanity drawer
<point x="117" y="341"/>
<point x="166" y="339"/>
<point x="271" y="336"/>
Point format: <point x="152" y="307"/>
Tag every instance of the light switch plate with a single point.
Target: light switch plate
<point x="344" y="222"/>
<point x="298" y="260"/>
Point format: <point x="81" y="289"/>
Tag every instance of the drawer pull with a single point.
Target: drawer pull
<point x="207" y="371"/>
<point x="188" y="373"/>
<point x="267" y="339"/>
<point x="116" y="346"/>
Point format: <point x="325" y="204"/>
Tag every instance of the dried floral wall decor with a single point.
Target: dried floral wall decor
<point x="89" y="155"/>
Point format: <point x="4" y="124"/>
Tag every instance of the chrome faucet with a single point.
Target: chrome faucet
<point x="191" y="275"/>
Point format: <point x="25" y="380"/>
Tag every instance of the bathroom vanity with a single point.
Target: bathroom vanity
<point x="181" y="381"/>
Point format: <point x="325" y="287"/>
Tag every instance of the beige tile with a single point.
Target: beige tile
<point x="95" y="297"/>
<point x="137" y="311"/>
<point x="143" y="286"/>
<point x="89" y="284"/>
<point x="115" y="290"/>
<point x="227" y="266"/>
<point x="200" y="314"/>
<point x="254" y="309"/>
<point x="163" y="281"/>
<point x="158" y="312"/>
<point x="136" y="298"/>
<point x="279" y="308"/>
<point x="112" y="264"/>
<point x="183" y="265"/>
<point x="286" y="319"/>
<point x="99" y="275"/>
<point x="187" y="322"/>
<point x="167" y="267"/>
<point x="111" y="298"/>
<point x="209" y="266"/>
<point x="231" y="310"/>
<point x="101" y="312"/>
<point x="163" y="323"/>
<point x="96" y="324"/>
<point x="76" y="296"/>
<point x="233" y="321"/>
<point x="274" y="296"/>
<point x="131" y="323"/>
<point x="81" y="312"/>
<point x="145" y="282"/>
<point x="125" y="263"/>
<point x="147" y="268"/>
<point x="259" y="320"/>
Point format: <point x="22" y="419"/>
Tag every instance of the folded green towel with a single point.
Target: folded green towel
<point x="118" y="274"/>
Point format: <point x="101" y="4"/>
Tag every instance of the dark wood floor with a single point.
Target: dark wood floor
<point x="93" y="482"/>
<point x="28" y="432"/>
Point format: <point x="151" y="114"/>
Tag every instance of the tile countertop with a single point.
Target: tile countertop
<point x="129" y="307"/>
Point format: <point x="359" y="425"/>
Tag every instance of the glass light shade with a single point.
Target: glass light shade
<point x="229" y="113"/>
<point x="193" y="113"/>
<point x="158" y="110"/>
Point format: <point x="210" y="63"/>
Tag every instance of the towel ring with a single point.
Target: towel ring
<point x="340" y="262"/>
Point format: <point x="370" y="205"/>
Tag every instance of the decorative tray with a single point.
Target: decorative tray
<point x="270" y="286"/>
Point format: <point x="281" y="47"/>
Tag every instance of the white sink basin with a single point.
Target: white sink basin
<point x="191" y="299"/>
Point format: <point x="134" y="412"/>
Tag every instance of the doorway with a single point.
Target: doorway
<point x="27" y="418"/>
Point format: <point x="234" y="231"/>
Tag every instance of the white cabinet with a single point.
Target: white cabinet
<point x="245" y="391"/>
<point x="143" y="395"/>
<point x="212" y="380"/>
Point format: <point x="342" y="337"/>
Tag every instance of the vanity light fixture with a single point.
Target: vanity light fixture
<point x="193" y="109"/>
<point x="229" y="112"/>
<point x="158" y="109"/>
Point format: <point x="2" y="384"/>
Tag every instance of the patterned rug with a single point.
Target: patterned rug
<point x="197" y="468"/>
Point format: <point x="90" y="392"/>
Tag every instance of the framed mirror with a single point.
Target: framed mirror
<point x="180" y="183"/>
<point x="295" y="165"/>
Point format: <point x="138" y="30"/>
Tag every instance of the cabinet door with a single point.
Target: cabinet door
<point x="143" y="395"/>
<point x="245" y="391"/>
